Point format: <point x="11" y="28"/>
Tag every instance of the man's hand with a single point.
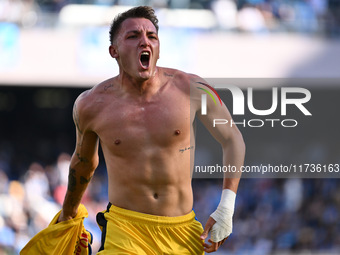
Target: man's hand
<point x="63" y="217"/>
<point x="220" y="222"/>
<point x="213" y="246"/>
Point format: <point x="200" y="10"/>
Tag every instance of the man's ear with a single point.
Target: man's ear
<point x="113" y="51"/>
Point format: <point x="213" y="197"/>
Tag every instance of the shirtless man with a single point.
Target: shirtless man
<point x="143" y="119"/>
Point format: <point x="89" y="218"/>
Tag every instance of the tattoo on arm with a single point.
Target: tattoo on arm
<point x="75" y="191"/>
<point x="72" y="181"/>
<point x="82" y="159"/>
<point x="83" y="180"/>
<point x="76" y="118"/>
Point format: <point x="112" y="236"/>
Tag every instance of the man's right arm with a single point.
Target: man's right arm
<point x="233" y="148"/>
<point x="84" y="161"/>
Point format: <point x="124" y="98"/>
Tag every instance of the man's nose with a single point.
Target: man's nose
<point x="144" y="41"/>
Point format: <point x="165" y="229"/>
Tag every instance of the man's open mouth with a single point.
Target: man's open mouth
<point x="145" y="59"/>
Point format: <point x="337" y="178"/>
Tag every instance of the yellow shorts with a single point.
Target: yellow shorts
<point x="129" y="232"/>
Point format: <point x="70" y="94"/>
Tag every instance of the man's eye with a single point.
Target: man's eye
<point x="131" y="37"/>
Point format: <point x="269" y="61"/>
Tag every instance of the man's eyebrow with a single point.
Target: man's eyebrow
<point x="151" y="33"/>
<point x="139" y="31"/>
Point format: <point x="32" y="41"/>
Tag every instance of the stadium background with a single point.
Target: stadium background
<point x="52" y="50"/>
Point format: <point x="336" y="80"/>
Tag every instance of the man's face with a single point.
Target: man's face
<point x="136" y="48"/>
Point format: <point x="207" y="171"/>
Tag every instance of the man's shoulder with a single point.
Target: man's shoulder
<point x="188" y="82"/>
<point x="88" y="99"/>
<point x="182" y="79"/>
<point x="177" y="74"/>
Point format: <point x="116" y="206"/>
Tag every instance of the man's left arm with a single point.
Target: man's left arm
<point x="233" y="147"/>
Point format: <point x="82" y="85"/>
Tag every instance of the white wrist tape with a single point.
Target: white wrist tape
<point x="223" y="216"/>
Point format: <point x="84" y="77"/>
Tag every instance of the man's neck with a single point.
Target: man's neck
<point x="142" y="87"/>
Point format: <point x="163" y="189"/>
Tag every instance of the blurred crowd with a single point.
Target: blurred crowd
<point x="279" y="216"/>
<point x="272" y="215"/>
<point x="303" y="16"/>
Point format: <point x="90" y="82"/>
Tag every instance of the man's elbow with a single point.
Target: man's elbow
<point x="92" y="164"/>
<point x="95" y="163"/>
<point x="235" y="140"/>
<point x="241" y="142"/>
<point x="84" y="164"/>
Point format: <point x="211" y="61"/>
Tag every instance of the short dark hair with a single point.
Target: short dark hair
<point x="137" y="12"/>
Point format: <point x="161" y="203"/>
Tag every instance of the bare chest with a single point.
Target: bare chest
<point x="125" y="124"/>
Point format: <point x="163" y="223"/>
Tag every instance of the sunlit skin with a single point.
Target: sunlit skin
<point x="144" y="121"/>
